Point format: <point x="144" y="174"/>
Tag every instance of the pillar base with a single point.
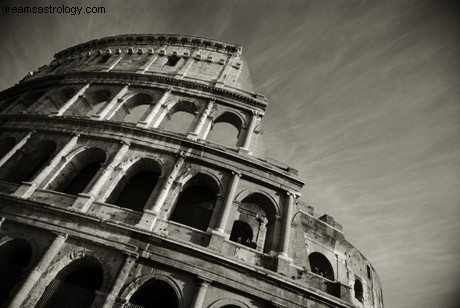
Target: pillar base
<point x="284" y="263"/>
<point x="25" y="190"/>
<point x="217" y="240"/>
<point x="142" y="124"/>
<point x="147" y="221"/>
<point x="83" y="202"/>
<point x="193" y="136"/>
<point x="244" y="151"/>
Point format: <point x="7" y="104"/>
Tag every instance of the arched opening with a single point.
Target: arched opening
<point x="226" y="130"/>
<point x="135" y="188"/>
<point x="79" y="172"/>
<point x="24" y="165"/>
<point x="172" y="60"/>
<point x="97" y="102"/>
<point x="259" y="213"/>
<point x="15" y="256"/>
<point x="196" y="202"/>
<point x="27" y="101"/>
<point x="242" y="234"/>
<point x="358" y="288"/>
<point x="320" y="265"/>
<point x="6" y="145"/>
<point x="154" y="294"/>
<point x="180" y="117"/>
<point x="137" y="107"/>
<point x="75" y="286"/>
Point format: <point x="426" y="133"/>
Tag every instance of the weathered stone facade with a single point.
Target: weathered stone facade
<point x="108" y="199"/>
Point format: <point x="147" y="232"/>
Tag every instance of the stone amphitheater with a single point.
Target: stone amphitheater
<point x="133" y="174"/>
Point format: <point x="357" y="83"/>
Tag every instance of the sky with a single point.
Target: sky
<point x="363" y="101"/>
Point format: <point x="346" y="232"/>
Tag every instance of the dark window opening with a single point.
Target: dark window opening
<point x="172" y="60"/>
<point x="194" y="207"/>
<point x="369" y="272"/>
<point x="358" y="288"/>
<point x="242" y="233"/>
<point x="15" y="256"/>
<point x="24" y="165"/>
<point x="75" y="286"/>
<point x="137" y="191"/>
<point x="103" y="58"/>
<point x="153" y="295"/>
<point x="82" y="179"/>
<point x="320" y="265"/>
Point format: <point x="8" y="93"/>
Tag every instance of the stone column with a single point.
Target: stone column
<point x="150" y="215"/>
<point x="116" y="99"/>
<point x="247" y="142"/>
<point x="84" y="199"/>
<point x="126" y="267"/>
<point x="286" y="230"/>
<point x="148" y="121"/>
<point x="37" y="272"/>
<point x="228" y="201"/>
<point x="18" y="145"/>
<point x="202" y="119"/>
<point x="200" y="293"/>
<point x="28" y="188"/>
<point x="2" y="220"/>
<point x="71" y="101"/>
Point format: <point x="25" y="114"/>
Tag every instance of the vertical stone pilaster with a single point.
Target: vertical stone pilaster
<point x="247" y="142"/>
<point x="116" y="99"/>
<point x="286" y="230"/>
<point x="114" y="64"/>
<point x="84" y="199"/>
<point x="228" y="201"/>
<point x="72" y="100"/>
<point x="37" y="272"/>
<point x="28" y="188"/>
<point x="202" y="119"/>
<point x="186" y="67"/>
<point x="150" y="214"/>
<point x="200" y="293"/>
<point x="2" y="220"/>
<point x="126" y="267"/>
<point x="18" y="145"/>
<point x="147" y="122"/>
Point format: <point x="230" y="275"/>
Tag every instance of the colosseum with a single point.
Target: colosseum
<point x="133" y="174"/>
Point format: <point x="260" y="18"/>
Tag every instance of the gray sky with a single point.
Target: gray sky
<point x="363" y="100"/>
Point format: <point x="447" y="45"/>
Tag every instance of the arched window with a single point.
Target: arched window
<point x="196" y="202"/>
<point x="180" y="117"/>
<point x="27" y="101"/>
<point x="135" y="188"/>
<point x="242" y="234"/>
<point x="6" y="145"/>
<point x="15" y="256"/>
<point x="226" y="130"/>
<point x="90" y="103"/>
<point x="258" y="212"/>
<point x="79" y="172"/>
<point x="75" y="286"/>
<point x="24" y="165"/>
<point x="97" y="102"/>
<point x="358" y="288"/>
<point x="320" y="265"/>
<point x="135" y="108"/>
<point x="153" y="294"/>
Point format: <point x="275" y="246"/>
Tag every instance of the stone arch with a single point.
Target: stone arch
<point x="196" y="201"/>
<point x="77" y="278"/>
<point x="79" y="171"/>
<point x="229" y="303"/>
<point x="6" y="144"/>
<point x="134" y="108"/>
<point x="27" y="101"/>
<point x="54" y="100"/>
<point x="259" y="211"/>
<point x="136" y="186"/>
<point x="27" y="162"/>
<point x="245" y="193"/>
<point x="89" y="103"/>
<point x="16" y="258"/>
<point x="320" y="265"/>
<point x="179" y="115"/>
<point x="226" y="129"/>
<point x="138" y="282"/>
